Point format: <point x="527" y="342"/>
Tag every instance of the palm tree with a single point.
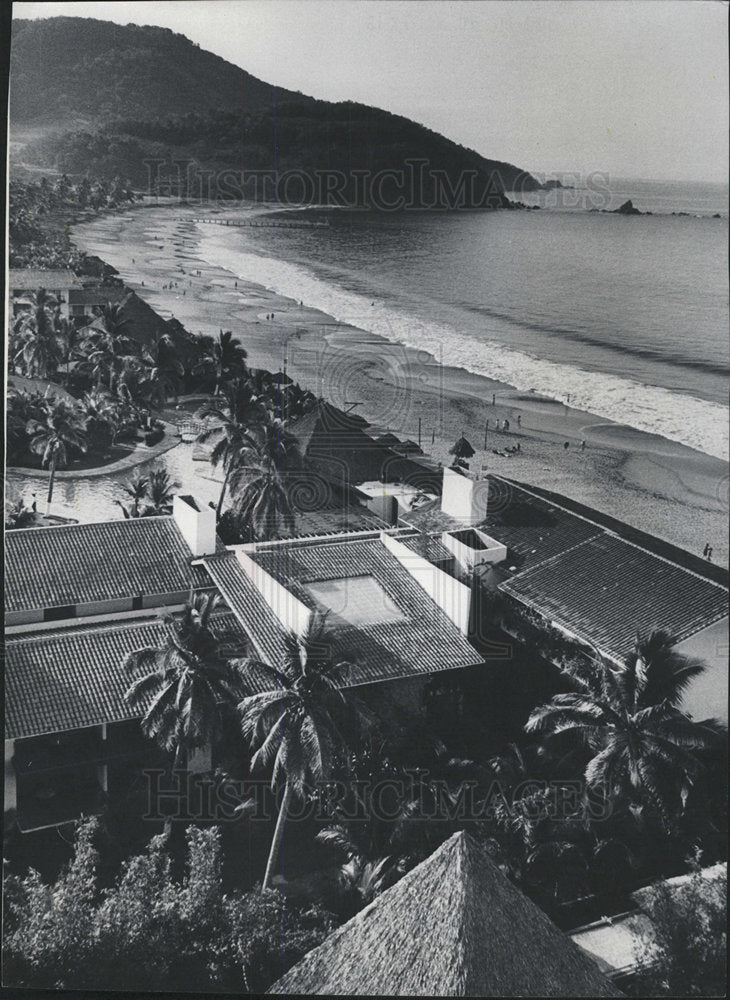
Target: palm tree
<point x="240" y="410"/>
<point x="51" y="437"/>
<point x="640" y="745"/>
<point x="164" y="371"/>
<point x="361" y="877"/>
<point x="107" y="346"/>
<point x="225" y="358"/>
<point x="258" y="480"/>
<point x="185" y="681"/>
<point x="294" y="726"/>
<point x="37" y="338"/>
<point x="160" y="491"/>
<point x="136" y="488"/>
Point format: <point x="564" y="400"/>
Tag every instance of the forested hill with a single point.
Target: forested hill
<point x="127" y="97"/>
<point x="71" y="68"/>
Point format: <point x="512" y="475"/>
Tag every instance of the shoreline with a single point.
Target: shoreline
<point x="658" y="485"/>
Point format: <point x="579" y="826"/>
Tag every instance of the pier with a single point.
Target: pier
<point x="265" y="223"/>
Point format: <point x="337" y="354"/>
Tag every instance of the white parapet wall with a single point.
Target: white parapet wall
<point x="196" y="523"/>
<point x="487" y="550"/>
<point x="290" y="611"/>
<point x="453" y="597"/>
<point x="464" y="498"/>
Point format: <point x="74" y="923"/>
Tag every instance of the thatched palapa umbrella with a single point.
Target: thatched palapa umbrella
<point x="453" y="926"/>
<point x="462" y="449"/>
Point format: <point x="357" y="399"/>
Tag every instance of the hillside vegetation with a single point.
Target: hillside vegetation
<point x="149" y="105"/>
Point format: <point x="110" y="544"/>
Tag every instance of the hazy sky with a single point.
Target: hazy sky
<point x="638" y="89"/>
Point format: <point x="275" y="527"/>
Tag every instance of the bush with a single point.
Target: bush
<point x="685" y="952"/>
<point x="150" y="931"/>
<point x="153" y="437"/>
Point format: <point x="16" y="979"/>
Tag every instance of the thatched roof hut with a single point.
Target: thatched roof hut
<point x="462" y="448"/>
<point x="453" y="926"/>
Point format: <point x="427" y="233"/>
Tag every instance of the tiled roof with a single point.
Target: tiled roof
<point x="428" y="546"/>
<point x="248" y="605"/>
<point x="424" y="641"/>
<point x="33" y="278"/>
<point x="81" y="563"/>
<point x="532" y="528"/>
<point x="605" y="590"/>
<point x="97" y="295"/>
<point x="72" y="678"/>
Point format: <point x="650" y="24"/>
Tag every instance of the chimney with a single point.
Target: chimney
<point x="385" y="507"/>
<point x="196" y="524"/>
<point x="464" y="498"/>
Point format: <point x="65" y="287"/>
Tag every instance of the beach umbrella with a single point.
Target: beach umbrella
<point x="462" y="449"/>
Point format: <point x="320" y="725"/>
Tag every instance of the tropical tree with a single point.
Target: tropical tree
<point x="224" y="358"/>
<point x="160" y="491"/>
<point x="641" y="749"/>
<point x="36" y="338"/>
<point x="163" y="371"/>
<point x="108" y="348"/>
<point x="294" y="727"/>
<point x="136" y="489"/>
<point x="22" y="407"/>
<point x="181" y="685"/>
<point x="259" y="479"/>
<point x="101" y="413"/>
<point x="361" y="878"/>
<point x="231" y="418"/>
<point x="17" y="515"/>
<point x="60" y="429"/>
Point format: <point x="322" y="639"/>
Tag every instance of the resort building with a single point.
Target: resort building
<point x="23" y="283"/>
<point x="78" y="598"/>
<point x="406" y="603"/>
<point x="85" y="301"/>
<point x="453" y="926"/>
<point x="539" y="560"/>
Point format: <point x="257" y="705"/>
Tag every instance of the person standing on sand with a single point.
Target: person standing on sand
<point x="519" y="420"/>
<point x="506" y="425"/>
<point x="582" y="446"/>
<point x="34" y="505"/>
<point x="566" y="445"/>
<point x="705" y="550"/>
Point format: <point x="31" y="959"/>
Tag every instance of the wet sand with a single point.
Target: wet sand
<point x="655" y="484"/>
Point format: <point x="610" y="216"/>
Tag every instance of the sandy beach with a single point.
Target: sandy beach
<point x="648" y="481"/>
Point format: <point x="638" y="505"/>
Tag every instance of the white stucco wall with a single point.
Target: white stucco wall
<point x="453" y="597"/>
<point x="290" y="611"/>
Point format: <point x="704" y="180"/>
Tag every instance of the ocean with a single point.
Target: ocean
<point x="623" y="316"/>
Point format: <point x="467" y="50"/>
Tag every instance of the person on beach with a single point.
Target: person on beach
<point x="34" y="505"/>
<point x="706" y="549"/>
<point x="494" y="398"/>
<point x="506" y="425"/>
<point x="709" y="554"/>
<point x="519" y="447"/>
<point x="519" y="420"/>
<point x="566" y="445"/>
<point x="582" y="446"/>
